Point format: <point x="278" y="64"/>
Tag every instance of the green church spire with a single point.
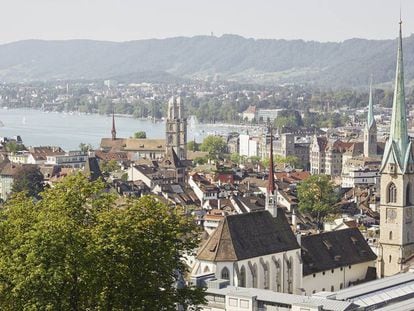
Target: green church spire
<point x="398" y="130"/>
<point x="398" y="147"/>
<point x="370" y="118"/>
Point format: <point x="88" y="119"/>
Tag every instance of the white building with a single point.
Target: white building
<point x="256" y="250"/>
<point x="248" y="146"/>
<point x="361" y="177"/>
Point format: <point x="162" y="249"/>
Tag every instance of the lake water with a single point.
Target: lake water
<point x="38" y="128"/>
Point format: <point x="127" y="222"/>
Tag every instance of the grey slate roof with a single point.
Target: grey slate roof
<point x="330" y="250"/>
<point x="249" y="235"/>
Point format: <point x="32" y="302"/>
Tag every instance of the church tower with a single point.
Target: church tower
<point x="370" y="131"/>
<point x="271" y="194"/>
<point x="176" y="128"/>
<point x="397" y="181"/>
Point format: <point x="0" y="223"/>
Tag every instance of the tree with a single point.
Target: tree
<point x="108" y="167"/>
<point x="316" y="196"/>
<point x="14" y="147"/>
<point x="84" y="147"/>
<point x="214" y="145"/>
<point x="140" y="134"/>
<point x="75" y="249"/>
<point x="193" y="146"/>
<point x="28" y="179"/>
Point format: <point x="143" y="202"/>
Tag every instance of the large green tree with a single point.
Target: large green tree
<point x="28" y="179"/>
<point x="75" y="249"/>
<point x="214" y="145"/>
<point x="317" y="196"/>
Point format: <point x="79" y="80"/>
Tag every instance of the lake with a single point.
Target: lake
<point x="68" y="130"/>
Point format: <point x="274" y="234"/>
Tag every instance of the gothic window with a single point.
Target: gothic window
<point x="290" y="275"/>
<point x="254" y="276"/>
<point x="389" y="259"/>
<point x="206" y="269"/>
<point x="391" y="193"/>
<point x="225" y="275"/>
<point x="242" y="280"/>
<point x="266" y="280"/>
<point x="408" y="194"/>
<point x="390" y="236"/>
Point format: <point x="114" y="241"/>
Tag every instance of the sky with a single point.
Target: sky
<point x="124" y="20"/>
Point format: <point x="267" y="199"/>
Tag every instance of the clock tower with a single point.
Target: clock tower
<point x="397" y="181"/>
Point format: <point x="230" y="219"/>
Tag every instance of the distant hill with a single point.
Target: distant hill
<point x="348" y="63"/>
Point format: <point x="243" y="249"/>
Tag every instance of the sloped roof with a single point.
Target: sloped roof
<point x="334" y="249"/>
<point x="113" y="144"/>
<point x="249" y="235"/>
<point x="141" y="144"/>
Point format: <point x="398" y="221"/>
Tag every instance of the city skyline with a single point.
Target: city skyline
<point x="125" y="20"/>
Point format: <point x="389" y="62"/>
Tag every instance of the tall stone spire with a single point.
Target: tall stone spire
<point x="271" y="195"/>
<point x="113" y="131"/>
<point x="370" y="117"/>
<point x="398" y="147"/>
<point x="370" y="131"/>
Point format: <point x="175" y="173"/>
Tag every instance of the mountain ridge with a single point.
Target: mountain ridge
<point x="231" y="57"/>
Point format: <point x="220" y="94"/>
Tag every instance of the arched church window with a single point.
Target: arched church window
<point x="242" y="280"/>
<point x="290" y="275"/>
<point x="408" y="194"/>
<point x="391" y="193"/>
<point x="225" y="274"/>
<point x="389" y="259"/>
<point x="266" y="273"/>
<point x="254" y="276"/>
<point x="390" y="236"/>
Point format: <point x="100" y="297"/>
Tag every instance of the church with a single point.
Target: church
<point x="396" y="248"/>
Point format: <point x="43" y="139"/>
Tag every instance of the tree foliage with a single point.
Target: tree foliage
<point x="317" y="196"/>
<point x="84" y="147"/>
<point x="28" y="179"/>
<point x="12" y="146"/>
<point x="193" y="146"/>
<point x="76" y="250"/>
<point x="214" y="145"/>
<point x="108" y="167"/>
<point x="140" y="134"/>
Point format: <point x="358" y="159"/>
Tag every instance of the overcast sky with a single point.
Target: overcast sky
<point x="122" y="20"/>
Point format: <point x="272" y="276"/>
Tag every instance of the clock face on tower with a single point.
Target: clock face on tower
<point x="391" y="215"/>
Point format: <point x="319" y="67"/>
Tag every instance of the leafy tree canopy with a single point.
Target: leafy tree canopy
<point x="84" y="147"/>
<point x="14" y="147"/>
<point x="75" y="249"/>
<point x="214" y="145"/>
<point x="140" y="134"/>
<point x="28" y="179"/>
<point x="317" y="196"/>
